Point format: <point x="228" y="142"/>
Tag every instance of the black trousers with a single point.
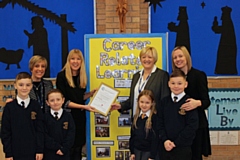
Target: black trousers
<point x="141" y="155"/>
<point x="76" y="153"/>
<point x="181" y="153"/>
<point x="201" y="144"/>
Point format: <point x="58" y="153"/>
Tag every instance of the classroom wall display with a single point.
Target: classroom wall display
<point x="113" y="59"/>
<point x="47" y="28"/>
<point x="209" y="30"/>
<point x="223" y="113"/>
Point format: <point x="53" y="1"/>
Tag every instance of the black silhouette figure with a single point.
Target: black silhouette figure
<point x="227" y="49"/>
<point x="183" y="38"/>
<point x="48" y="15"/>
<point x="11" y="57"/>
<point x="39" y="40"/>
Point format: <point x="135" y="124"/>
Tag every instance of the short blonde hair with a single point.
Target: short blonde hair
<point x="35" y="59"/>
<point x="82" y="70"/>
<point x="186" y="55"/>
<point x="146" y="50"/>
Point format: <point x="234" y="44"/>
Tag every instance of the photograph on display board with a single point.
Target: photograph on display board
<point x="119" y="155"/>
<point x="103" y="151"/>
<point x="121" y="99"/>
<point x="127" y="155"/>
<point x="101" y="120"/>
<point x="124" y="121"/>
<point x="123" y="145"/>
<point x="125" y="113"/>
<point x="101" y="131"/>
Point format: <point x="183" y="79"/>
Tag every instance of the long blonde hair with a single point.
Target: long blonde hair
<point x="186" y="55"/>
<point x="82" y="70"/>
<point x="148" y="124"/>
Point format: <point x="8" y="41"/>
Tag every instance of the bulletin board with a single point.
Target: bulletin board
<point x="208" y="29"/>
<point x="113" y="59"/>
<point x="223" y="113"/>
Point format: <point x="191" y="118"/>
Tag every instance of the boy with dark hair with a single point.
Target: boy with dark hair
<point x="59" y="128"/>
<point x="22" y="131"/>
<point x="176" y="127"/>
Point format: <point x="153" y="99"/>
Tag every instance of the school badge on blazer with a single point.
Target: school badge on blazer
<point x="65" y="125"/>
<point x="33" y="115"/>
<point x="182" y="112"/>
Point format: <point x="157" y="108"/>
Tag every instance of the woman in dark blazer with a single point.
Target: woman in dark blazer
<point x="38" y="66"/>
<point x="150" y="78"/>
<point x="197" y="89"/>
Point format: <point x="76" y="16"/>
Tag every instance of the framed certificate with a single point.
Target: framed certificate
<point x="103" y="98"/>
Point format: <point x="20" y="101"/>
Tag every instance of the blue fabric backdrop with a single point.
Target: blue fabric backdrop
<point x="15" y="17"/>
<point x="204" y="41"/>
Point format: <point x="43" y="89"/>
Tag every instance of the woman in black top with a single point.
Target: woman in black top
<point x="72" y="82"/>
<point x="197" y="89"/>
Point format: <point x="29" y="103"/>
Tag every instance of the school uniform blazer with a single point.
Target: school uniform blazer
<point x="157" y="83"/>
<point x="47" y="87"/>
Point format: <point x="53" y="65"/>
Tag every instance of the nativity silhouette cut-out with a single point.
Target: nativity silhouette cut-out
<point x="38" y="39"/>
<point x="226" y="52"/>
<point x="227" y="48"/>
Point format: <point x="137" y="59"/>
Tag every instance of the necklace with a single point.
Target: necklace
<point x="36" y="85"/>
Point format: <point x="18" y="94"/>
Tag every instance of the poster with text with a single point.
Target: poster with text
<point x="113" y="59"/>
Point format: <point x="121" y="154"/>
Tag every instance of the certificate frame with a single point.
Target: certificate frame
<point x="103" y="98"/>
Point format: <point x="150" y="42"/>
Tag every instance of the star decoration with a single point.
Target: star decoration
<point x="203" y="4"/>
<point x="154" y="3"/>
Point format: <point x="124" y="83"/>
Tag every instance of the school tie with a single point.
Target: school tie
<point x="143" y="115"/>
<point x="23" y="104"/>
<point x="175" y="99"/>
<point x="56" y="115"/>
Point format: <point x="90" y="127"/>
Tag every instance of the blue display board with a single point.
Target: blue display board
<point x="48" y="27"/>
<point x="210" y="29"/>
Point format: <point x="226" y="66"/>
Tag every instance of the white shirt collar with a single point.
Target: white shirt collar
<point x="147" y="113"/>
<point x="180" y="96"/>
<point x="153" y="70"/>
<point x="26" y="101"/>
<point x="60" y="111"/>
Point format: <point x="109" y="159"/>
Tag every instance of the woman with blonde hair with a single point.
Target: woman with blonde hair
<point x="38" y="65"/>
<point x="72" y="81"/>
<point x="197" y="89"/>
<point x="150" y="77"/>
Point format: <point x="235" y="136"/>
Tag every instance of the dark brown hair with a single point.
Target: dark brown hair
<point x="178" y="73"/>
<point x="22" y="75"/>
<point x="54" y="91"/>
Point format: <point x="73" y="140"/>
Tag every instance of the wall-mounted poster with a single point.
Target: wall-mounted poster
<point x="223" y="113"/>
<point x="113" y="59"/>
